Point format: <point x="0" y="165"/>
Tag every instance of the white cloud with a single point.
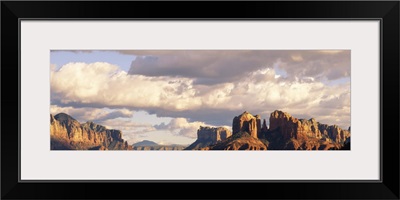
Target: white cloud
<point x="260" y="92"/>
<point x="91" y="114"/>
<point x="181" y="126"/>
<point x="104" y="84"/>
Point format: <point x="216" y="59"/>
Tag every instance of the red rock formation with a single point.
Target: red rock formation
<point x="207" y="136"/>
<point x="310" y="127"/>
<point x="248" y="123"/>
<point x="239" y="141"/>
<point x="287" y="132"/>
<point x="287" y="125"/>
<point x="213" y="134"/>
<point x="292" y="127"/>
<point x="67" y="132"/>
<point x="334" y="132"/>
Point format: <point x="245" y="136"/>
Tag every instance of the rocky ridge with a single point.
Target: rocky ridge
<point x="285" y="132"/>
<point x="288" y="132"/>
<point x="67" y="133"/>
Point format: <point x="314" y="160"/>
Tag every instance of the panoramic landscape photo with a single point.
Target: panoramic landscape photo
<point x="200" y="100"/>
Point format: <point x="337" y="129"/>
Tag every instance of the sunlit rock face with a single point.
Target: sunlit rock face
<point x="67" y="133"/>
<point x="288" y="126"/>
<point x="213" y="134"/>
<point x="248" y="123"/>
<point x="288" y="132"/>
<point x="334" y="132"/>
<point x="207" y="136"/>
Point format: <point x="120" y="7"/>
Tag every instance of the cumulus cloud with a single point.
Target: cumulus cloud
<point x="181" y="126"/>
<point x="219" y="66"/>
<point x="104" y="85"/>
<point x="207" y="67"/>
<point x="216" y="66"/>
<point x="337" y="101"/>
<point x="322" y="65"/>
<point x="129" y="126"/>
<point x="91" y="114"/>
<point x="260" y="92"/>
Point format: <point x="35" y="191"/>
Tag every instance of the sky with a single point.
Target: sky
<point x="166" y="95"/>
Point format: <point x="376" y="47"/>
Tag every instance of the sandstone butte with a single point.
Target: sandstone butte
<point x="285" y="133"/>
<point x="207" y="136"/>
<point x="291" y="127"/>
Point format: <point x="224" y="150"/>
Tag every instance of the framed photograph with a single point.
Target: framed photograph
<point x="287" y="96"/>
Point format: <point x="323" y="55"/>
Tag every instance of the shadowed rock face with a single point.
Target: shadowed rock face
<point x="287" y="125"/>
<point x="291" y="127"/>
<point x="287" y="132"/>
<point x="213" y="134"/>
<point x="334" y="132"/>
<point x="67" y="133"/>
<point x="248" y="123"/>
<point x="264" y="127"/>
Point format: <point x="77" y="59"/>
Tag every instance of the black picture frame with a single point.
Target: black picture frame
<point x="386" y="11"/>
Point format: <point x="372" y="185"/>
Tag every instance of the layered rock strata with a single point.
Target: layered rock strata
<point x="67" y="133"/>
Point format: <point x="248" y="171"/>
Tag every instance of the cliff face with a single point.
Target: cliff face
<point x="334" y="132"/>
<point x="310" y="128"/>
<point x="287" y="125"/>
<point x="208" y="136"/>
<point x="213" y="134"/>
<point x="248" y="123"/>
<point x="287" y="132"/>
<point x="68" y="133"/>
<point x="291" y="127"/>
